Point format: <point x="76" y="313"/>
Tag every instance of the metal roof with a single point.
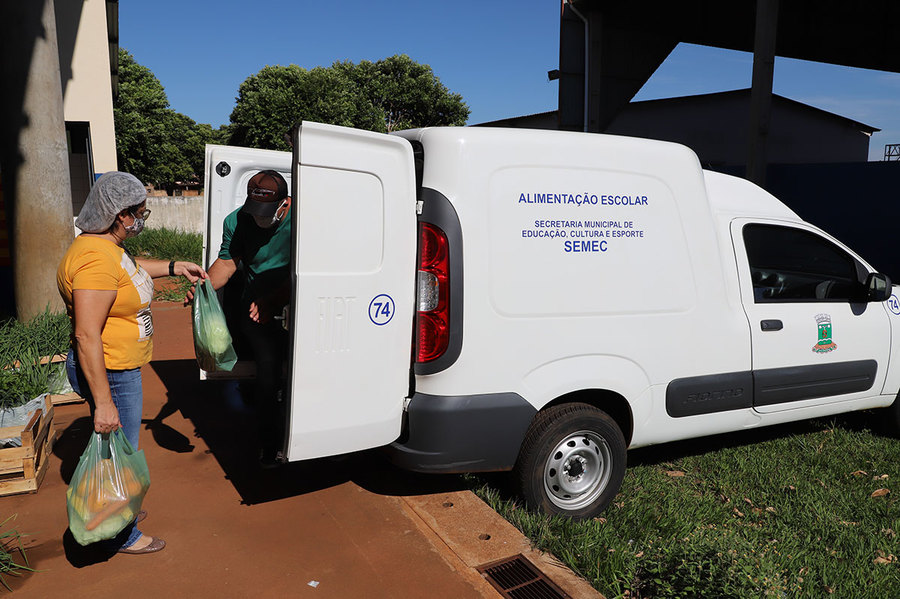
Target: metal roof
<point x="736" y="92"/>
<point x="853" y="34"/>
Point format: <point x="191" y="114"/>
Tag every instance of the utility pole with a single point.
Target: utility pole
<point x="33" y="156"/>
<point x="761" y="90"/>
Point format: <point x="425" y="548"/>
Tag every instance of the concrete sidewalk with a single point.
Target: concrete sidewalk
<point x="348" y="527"/>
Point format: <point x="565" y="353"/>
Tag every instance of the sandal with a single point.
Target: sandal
<point x="141" y="515"/>
<point x="155" y="545"/>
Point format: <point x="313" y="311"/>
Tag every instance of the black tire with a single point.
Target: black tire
<point x="572" y="461"/>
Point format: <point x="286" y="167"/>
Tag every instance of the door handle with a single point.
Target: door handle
<point x="771" y="325"/>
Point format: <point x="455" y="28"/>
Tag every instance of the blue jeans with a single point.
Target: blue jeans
<point x="128" y="396"/>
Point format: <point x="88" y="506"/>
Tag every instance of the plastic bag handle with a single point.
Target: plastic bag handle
<point x="94" y="447"/>
<point x="204" y="292"/>
<point x="101" y="444"/>
<point x="118" y="437"/>
<point x="206" y="288"/>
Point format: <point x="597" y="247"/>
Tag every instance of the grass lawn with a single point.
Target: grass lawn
<point x="809" y="509"/>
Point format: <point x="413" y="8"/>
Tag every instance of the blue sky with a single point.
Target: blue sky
<point x="496" y="54"/>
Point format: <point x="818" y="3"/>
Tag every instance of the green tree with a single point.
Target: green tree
<point x="190" y="139"/>
<point x="408" y="94"/>
<point x="153" y="142"/>
<point x="388" y="95"/>
<point x="270" y="101"/>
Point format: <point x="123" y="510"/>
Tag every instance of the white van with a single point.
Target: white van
<point x="484" y="299"/>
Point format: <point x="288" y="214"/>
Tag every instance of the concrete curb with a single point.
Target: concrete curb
<point x="470" y="534"/>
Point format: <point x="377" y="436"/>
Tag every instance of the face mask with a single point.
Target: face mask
<point x="267" y="223"/>
<point x="134" y="228"/>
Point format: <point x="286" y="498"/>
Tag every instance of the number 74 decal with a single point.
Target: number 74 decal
<point x="381" y="309"/>
<point x="894" y="304"/>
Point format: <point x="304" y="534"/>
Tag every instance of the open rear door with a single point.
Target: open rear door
<point x="354" y="267"/>
<point x="228" y="169"/>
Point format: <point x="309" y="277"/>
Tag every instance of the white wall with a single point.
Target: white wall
<point x="88" y="94"/>
<point x="182" y="213"/>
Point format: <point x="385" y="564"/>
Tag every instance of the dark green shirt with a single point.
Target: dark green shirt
<point x="264" y="254"/>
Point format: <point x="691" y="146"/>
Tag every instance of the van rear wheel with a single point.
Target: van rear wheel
<point x="572" y="461"/>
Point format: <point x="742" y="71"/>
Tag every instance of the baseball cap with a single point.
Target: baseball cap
<point x="265" y="191"/>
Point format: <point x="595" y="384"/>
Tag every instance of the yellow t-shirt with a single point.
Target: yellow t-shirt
<point x="97" y="263"/>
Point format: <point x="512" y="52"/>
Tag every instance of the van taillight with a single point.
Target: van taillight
<point x="432" y="294"/>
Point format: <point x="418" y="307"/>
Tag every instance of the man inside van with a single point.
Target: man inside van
<point x="257" y="239"/>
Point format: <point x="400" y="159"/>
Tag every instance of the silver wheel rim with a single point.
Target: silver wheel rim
<point x="577" y="470"/>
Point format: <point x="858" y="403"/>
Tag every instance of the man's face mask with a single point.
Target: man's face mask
<point x="267" y="222"/>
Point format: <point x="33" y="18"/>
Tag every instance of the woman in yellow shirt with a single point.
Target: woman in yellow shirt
<point x="107" y="294"/>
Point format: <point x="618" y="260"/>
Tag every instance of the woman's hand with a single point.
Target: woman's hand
<point x="219" y="272"/>
<point x="106" y="417"/>
<point x="192" y="272"/>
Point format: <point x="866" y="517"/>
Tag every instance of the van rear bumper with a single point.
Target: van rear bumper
<point x="468" y="433"/>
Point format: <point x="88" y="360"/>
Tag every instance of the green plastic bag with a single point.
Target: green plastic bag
<point x="212" y="341"/>
<point x="107" y="488"/>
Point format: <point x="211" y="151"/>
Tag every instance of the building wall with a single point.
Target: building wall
<point x="87" y="91"/>
<point x="542" y="120"/>
<point x="715" y="128"/>
<point x="855" y="202"/>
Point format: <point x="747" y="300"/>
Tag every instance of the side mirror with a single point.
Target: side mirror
<point x="878" y="287"/>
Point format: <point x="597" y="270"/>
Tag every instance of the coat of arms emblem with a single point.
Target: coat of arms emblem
<point x="825" y="343"/>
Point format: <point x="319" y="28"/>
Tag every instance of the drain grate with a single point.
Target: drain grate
<point x="516" y="578"/>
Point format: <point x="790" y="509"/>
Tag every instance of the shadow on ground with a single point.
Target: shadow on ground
<point x="225" y="421"/>
<point x="70" y="444"/>
<point x="227" y="424"/>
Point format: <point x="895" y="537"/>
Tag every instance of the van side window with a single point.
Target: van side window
<point x="793" y="265"/>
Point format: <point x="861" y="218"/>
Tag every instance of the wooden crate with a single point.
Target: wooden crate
<point x="23" y="468"/>
<point x="64" y="398"/>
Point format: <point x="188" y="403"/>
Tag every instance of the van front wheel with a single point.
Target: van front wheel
<point x="572" y="461"/>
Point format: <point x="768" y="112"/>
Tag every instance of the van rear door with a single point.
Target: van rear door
<point x="227" y="171"/>
<point x="355" y="231"/>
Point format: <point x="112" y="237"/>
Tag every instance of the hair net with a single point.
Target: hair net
<point x="112" y="192"/>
